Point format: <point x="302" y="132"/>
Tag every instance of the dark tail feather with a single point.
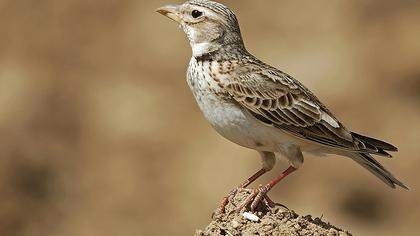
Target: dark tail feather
<point x="375" y="142"/>
<point x="367" y="161"/>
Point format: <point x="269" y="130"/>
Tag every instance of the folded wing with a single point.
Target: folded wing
<point x="277" y="99"/>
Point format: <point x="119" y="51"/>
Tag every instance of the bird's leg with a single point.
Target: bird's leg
<point x="260" y="193"/>
<point x="246" y="183"/>
<point x="249" y="181"/>
<point x="268" y="159"/>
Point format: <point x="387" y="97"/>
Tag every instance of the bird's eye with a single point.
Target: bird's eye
<point x="196" y="14"/>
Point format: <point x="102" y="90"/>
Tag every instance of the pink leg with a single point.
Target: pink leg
<point x="281" y="176"/>
<point x="251" y="179"/>
<point x="247" y="182"/>
<point x="260" y="193"/>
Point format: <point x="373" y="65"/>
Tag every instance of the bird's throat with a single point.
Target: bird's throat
<point x="200" y="49"/>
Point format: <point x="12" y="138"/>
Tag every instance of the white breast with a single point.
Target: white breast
<point x="228" y="118"/>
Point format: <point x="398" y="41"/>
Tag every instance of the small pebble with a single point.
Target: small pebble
<point x="250" y="216"/>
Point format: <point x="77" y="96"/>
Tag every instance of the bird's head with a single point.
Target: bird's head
<point x="209" y="26"/>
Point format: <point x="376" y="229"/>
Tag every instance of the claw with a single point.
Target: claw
<point x="262" y="191"/>
<point x="269" y="202"/>
<point x="221" y="209"/>
<point x="257" y="196"/>
<point x="247" y="200"/>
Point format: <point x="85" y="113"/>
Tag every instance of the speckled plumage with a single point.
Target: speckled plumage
<point x="258" y="106"/>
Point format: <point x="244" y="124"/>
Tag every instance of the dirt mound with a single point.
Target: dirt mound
<point x="272" y="221"/>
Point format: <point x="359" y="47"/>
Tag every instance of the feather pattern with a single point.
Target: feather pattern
<point x="277" y="99"/>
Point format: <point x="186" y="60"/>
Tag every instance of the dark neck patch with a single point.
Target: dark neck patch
<point x="204" y="57"/>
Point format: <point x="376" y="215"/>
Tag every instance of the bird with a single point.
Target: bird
<point x="259" y="107"/>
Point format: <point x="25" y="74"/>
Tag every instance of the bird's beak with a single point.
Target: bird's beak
<point x="170" y="11"/>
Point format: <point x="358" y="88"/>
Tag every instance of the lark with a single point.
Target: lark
<point x="260" y="107"/>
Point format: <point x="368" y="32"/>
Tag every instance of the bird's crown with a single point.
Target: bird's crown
<point x="210" y="26"/>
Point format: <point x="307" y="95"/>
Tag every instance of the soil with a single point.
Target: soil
<point x="272" y="221"/>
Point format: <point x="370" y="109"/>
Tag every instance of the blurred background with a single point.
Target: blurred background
<point x="100" y="134"/>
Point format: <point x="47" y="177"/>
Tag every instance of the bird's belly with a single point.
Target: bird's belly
<point x="239" y="126"/>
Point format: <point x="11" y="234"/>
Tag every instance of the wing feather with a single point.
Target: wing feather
<point x="277" y="99"/>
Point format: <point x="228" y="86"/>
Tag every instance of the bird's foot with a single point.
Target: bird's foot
<point x="225" y="201"/>
<point x="256" y="197"/>
<point x="221" y="209"/>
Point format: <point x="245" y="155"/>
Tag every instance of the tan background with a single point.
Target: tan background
<point x="99" y="134"/>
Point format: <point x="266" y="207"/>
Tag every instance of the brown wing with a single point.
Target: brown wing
<point x="277" y="99"/>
